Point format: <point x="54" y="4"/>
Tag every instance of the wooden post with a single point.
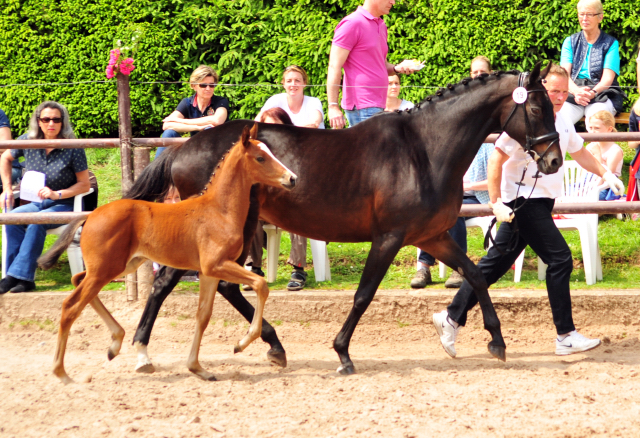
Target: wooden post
<point x="124" y="128"/>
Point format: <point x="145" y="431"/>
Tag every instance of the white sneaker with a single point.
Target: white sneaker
<point x="446" y="331"/>
<point x="574" y="342"/>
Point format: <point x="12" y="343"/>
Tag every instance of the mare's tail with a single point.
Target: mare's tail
<point x="48" y="259"/>
<point x="155" y="180"/>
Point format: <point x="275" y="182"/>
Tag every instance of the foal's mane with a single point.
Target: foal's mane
<point x="445" y="92"/>
<point x="215" y="168"/>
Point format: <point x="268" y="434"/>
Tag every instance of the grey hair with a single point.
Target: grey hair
<point x="66" y="131"/>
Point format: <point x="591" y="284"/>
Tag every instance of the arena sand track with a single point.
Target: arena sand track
<point x="406" y="387"/>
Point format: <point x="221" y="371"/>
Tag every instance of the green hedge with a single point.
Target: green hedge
<point x="251" y="41"/>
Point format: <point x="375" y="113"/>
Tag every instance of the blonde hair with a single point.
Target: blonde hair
<point x="605" y="117"/>
<point x="481" y="58"/>
<point x="595" y="4"/>
<point x="199" y="75"/>
<point x="296" y="69"/>
<point x="558" y="71"/>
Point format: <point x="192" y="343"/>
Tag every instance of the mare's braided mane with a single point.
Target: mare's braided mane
<point x="450" y="87"/>
<point x="217" y="166"/>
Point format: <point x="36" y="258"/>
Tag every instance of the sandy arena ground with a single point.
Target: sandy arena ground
<point x="406" y="387"/>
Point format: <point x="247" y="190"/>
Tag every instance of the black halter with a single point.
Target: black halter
<point x="552" y="137"/>
<point x="528" y="147"/>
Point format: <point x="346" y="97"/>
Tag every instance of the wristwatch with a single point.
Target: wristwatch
<point x="59" y="194"/>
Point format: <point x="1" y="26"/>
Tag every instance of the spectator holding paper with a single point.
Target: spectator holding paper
<point x="65" y="176"/>
<point x="360" y="48"/>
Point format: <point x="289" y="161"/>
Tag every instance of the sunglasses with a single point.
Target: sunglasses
<point x="203" y="86"/>
<point x="55" y="120"/>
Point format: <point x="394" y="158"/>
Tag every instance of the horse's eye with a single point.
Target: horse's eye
<point x="260" y="160"/>
<point x="535" y="111"/>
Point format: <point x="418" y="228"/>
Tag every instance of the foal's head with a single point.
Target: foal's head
<point x="262" y="165"/>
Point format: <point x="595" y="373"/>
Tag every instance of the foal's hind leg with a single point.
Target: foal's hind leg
<point x="72" y="306"/>
<point x="446" y="250"/>
<point x="208" y="287"/>
<point x="117" y="332"/>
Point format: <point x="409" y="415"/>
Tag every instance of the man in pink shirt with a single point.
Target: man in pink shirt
<point x="360" y="47"/>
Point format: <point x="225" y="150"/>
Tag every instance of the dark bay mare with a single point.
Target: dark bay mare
<point x="393" y="180"/>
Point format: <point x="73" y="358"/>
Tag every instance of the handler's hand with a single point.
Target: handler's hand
<point x="614" y="183"/>
<point x="335" y="117"/>
<point x="501" y="211"/>
<point x="7" y="200"/>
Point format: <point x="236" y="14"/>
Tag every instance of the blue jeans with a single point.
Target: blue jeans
<point x="360" y="115"/>
<point x="25" y="242"/>
<point x="607" y="195"/>
<point x="169" y="133"/>
<point x="458" y="232"/>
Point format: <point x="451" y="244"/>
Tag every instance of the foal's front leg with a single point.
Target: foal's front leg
<point x="208" y="286"/>
<point x="233" y="272"/>
<point x="445" y="249"/>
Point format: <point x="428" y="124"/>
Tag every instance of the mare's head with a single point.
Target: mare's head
<point x="529" y="119"/>
<point x="261" y="164"/>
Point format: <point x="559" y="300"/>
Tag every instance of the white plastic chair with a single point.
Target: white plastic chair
<point x="481" y="222"/>
<point x="74" y="253"/>
<point x="579" y="186"/>
<point x="319" y="252"/>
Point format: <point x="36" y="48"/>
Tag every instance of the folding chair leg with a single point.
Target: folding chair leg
<point x="321" y="266"/>
<point x="443" y="270"/>
<point x="542" y="270"/>
<point x="274" y="235"/>
<point x="517" y="275"/>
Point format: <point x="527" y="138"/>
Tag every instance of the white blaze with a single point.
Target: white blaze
<point x="268" y="151"/>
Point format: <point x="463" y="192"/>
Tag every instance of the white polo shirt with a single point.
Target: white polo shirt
<point x="548" y="186"/>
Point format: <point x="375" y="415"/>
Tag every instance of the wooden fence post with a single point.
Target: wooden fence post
<point x="124" y="128"/>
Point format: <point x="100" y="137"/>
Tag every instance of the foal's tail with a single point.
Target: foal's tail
<point x="48" y="259"/>
<point x="155" y="180"/>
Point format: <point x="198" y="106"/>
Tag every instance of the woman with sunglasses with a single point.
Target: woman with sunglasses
<point x="305" y="111"/>
<point x="66" y="176"/>
<point x="201" y="111"/>
<point x="592" y="59"/>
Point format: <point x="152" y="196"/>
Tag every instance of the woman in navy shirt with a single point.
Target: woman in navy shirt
<point x="198" y="112"/>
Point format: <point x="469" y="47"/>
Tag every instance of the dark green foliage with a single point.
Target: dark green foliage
<point x="250" y="41"/>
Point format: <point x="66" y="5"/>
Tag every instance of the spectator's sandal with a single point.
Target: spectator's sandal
<point x="298" y="280"/>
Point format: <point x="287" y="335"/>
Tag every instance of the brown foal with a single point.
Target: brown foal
<point x="202" y="233"/>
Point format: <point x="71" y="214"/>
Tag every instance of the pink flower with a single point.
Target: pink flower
<point x="113" y="58"/>
<point x="126" y="66"/>
<point x="110" y="73"/>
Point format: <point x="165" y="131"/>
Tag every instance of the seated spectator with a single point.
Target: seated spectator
<point x="608" y="153"/>
<point x="592" y="59"/>
<point x="393" y="101"/>
<point x="634" y="174"/>
<point x="199" y="112"/>
<point x="303" y="111"/>
<point x="475" y="192"/>
<point x="66" y="176"/>
<point x="5" y="134"/>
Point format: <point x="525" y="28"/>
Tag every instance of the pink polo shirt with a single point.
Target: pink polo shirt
<point x="365" y="72"/>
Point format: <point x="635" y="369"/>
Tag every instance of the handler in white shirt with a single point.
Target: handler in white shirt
<point x="534" y="223"/>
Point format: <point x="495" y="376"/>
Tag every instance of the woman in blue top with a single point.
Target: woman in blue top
<point x="199" y="112"/>
<point x="592" y="59"/>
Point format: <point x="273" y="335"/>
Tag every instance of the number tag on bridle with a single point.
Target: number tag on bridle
<point x="520" y="95"/>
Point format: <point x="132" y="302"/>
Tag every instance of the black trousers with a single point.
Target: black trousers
<point x="536" y="229"/>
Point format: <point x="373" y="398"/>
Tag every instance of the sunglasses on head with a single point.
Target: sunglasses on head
<point x="203" y="86"/>
<point x="55" y="120"/>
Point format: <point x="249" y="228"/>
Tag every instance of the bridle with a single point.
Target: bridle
<point x="552" y="137"/>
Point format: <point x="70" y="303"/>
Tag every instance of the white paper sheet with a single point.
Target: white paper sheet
<point x="30" y="185"/>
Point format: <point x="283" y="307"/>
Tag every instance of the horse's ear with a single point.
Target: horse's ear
<point x="545" y="72"/>
<point x="244" y="139"/>
<point x="254" y="132"/>
<point x="535" y="73"/>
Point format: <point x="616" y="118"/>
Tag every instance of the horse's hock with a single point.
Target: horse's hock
<point x="514" y="307"/>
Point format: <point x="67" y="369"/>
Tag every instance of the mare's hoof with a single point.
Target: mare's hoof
<point x="146" y="369"/>
<point x="110" y="355"/>
<point x="498" y="352"/>
<point x="237" y="349"/>
<point x="346" y="370"/>
<point x="277" y="357"/>
<point x="210" y="378"/>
